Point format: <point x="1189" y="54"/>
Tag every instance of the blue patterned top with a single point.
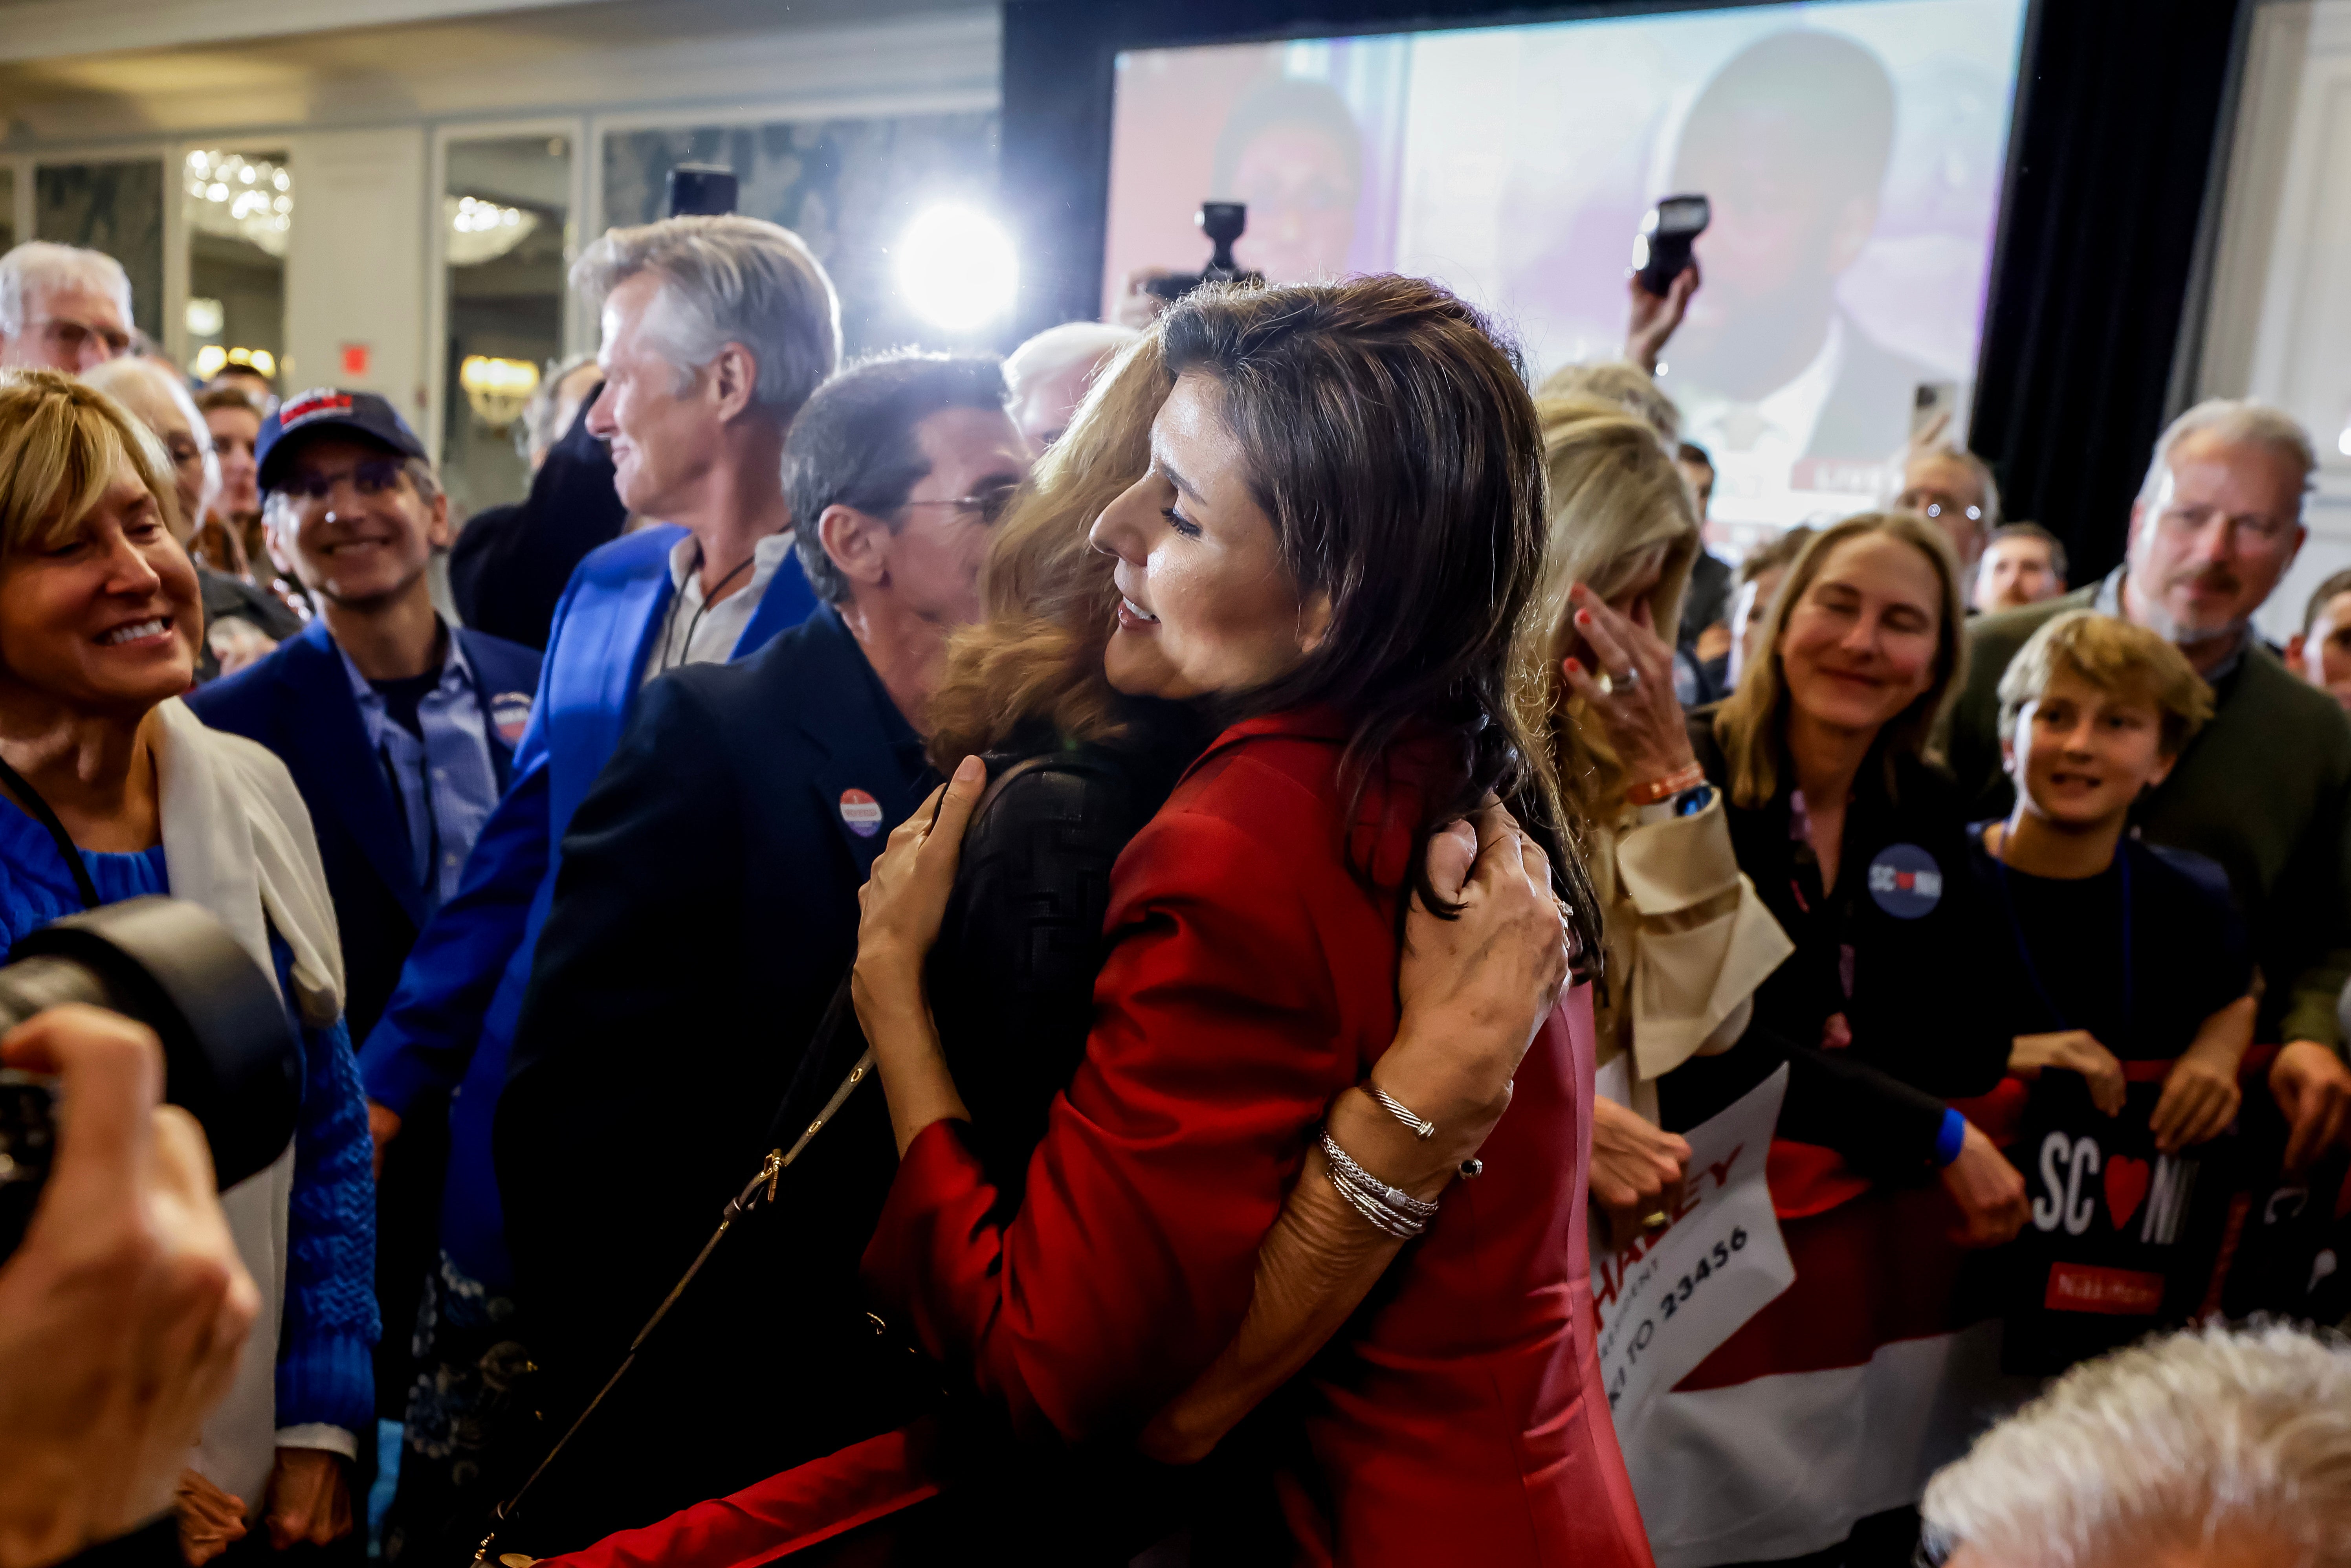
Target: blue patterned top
<point x="324" y="1373"/>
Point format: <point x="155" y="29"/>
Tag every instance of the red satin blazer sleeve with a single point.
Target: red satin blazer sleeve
<point x="1218" y="1042"/>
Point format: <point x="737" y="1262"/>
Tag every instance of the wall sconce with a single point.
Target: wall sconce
<point x="497" y="389"/>
<point x="212" y="359"/>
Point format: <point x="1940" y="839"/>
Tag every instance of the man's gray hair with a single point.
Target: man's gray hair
<point x="2236" y="421"/>
<point x="534" y="432"/>
<point x="1056" y="349"/>
<point x="2164" y="1452"/>
<point x="39" y="262"/>
<point x="727" y="279"/>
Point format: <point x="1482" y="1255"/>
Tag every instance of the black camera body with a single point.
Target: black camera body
<point x="230" y="1056"/>
<point x="1661" y="250"/>
<point x="1223" y="222"/>
<point x="701" y="190"/>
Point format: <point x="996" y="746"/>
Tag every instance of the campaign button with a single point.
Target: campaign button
<point x="1906" y="881"/>
<point x="510" y="713"/>
<point x="861" y="811"/>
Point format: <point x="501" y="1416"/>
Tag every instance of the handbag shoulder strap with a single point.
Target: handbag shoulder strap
<point x="762" y="1186"/>
<point x="66" y="849"/>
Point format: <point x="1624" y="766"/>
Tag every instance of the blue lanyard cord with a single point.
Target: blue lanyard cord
<point x="2025" y="948"/>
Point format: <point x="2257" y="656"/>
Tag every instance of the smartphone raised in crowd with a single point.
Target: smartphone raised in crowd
<point x="1662" y="247"/>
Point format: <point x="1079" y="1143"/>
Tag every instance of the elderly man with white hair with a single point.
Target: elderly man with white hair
<point x="1050" y="373"/>
<point x="2265" y="787"/>
<point x="716" y="330"/>
<point x="62" y="307"/>
<point x="242" y="623"/>
<point x="2216" y="1447"/>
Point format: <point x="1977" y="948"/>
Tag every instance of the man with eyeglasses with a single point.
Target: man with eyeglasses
<point x="2265" y="787"/>
<point x="707" y="910"/>
<point x="1952" y="488"/>
<point x="62" y="307"/>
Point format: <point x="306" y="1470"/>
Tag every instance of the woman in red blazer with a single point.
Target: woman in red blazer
<point x="1335" y="549"/>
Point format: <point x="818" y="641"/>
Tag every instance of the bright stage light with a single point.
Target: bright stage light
<point x="956" y="267"/>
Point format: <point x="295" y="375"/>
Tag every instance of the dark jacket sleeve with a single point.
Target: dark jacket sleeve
<point x="514" y="575"/>
<point x="640" y="943"/>
<point x="1011" y="981"/>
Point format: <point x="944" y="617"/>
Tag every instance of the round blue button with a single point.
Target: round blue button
<point x="1906" y="881"/>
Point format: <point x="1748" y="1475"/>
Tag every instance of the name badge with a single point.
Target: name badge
<point x="510" y="715"/>
<point x="861" y="811"/>
<point x="1905" y="881"/>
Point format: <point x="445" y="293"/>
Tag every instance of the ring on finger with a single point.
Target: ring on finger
<point x="1630" y="681"/>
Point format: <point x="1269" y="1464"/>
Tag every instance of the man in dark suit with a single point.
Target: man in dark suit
<point x="1790" y="142"/>
<point x="510" y="564"/>
<point x="399" y="730"/>
<point x="705" y="914"/>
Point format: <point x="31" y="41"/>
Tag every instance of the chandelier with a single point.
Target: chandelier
<point x="482" y="231"/>
<point x="237" y="197"/>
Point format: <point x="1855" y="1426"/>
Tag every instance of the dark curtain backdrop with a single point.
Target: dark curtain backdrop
<point x="2111" y="151"/>
<point x="2115" y="142"/>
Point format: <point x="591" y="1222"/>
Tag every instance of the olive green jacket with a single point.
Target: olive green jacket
<point x="2264" y="789"/>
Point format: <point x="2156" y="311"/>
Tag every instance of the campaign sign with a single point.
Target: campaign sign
<point x="1666" y="1302"/>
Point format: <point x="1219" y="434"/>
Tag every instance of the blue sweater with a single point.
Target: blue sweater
<point x="324" y="1373"/>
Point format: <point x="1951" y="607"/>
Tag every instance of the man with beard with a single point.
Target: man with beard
<point x="2265" y="787"/>
<point x="1790" y="142"/>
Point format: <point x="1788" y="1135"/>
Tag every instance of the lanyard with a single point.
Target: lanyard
<point x="48" y="819"/>
<point x="2025" y="948"/>
<point x="694" y="623"/>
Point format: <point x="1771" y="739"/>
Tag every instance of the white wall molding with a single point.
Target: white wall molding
<point x="50" y="29"/>
<point x="2278" y="324"/>
<point x="942" y="60"/>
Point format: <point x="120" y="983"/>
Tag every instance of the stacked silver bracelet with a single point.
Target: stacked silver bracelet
<point x="1390" y="1210"/>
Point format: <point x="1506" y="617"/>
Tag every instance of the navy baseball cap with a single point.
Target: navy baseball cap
<point x="325" y="411"/>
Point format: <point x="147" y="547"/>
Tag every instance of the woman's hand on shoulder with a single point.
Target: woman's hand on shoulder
<point x="899" y="911"/>
<point x="1475" y="988"/>
<point x="904" y="899"/>
<point x="1643" y="719"/>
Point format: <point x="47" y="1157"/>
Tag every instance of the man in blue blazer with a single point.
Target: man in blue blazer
<point x="716" y="330"/>
<point x="398" y="729"/>
<point x="706" y="910"/>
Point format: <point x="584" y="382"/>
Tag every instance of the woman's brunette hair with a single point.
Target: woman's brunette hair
<point x="61" y="444"/>
<point x="1048" y="604"/>
<point x="1752" y="724"/>
<point x="1616" y="499"/>
<point x="1390" y="440"/>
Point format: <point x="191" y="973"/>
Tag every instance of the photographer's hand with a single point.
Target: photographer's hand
<point x="1650" y="322"/>
<point x="124" y="1311"/>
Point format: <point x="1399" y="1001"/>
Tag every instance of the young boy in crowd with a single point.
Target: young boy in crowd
<point x="2125" y="973"/>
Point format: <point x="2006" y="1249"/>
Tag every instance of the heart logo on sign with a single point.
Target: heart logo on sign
<point x="2125" y="1187"/>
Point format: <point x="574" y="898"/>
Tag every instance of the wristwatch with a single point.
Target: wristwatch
<point x="1688" y="803"/>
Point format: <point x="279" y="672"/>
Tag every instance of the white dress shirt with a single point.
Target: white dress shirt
<point x="695" y="634"/>
<point x="1776" y="430"/>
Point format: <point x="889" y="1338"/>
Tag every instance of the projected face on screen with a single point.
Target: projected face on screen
<point x="1291" y="151"/>
<point x="1851" y="151"/>
<point x="1790" y="142"/>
